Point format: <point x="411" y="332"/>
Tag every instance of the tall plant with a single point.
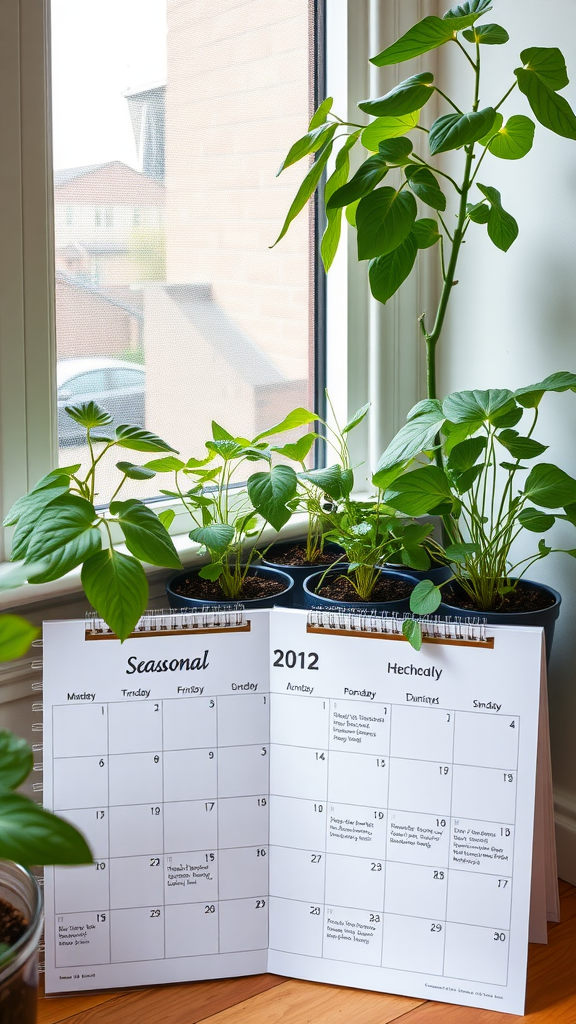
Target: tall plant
<point x="389" y="231"/>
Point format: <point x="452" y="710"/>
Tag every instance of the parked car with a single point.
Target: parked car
<point x="116" y="385"/>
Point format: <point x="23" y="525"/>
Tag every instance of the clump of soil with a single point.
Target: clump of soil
<point x="524" y="599"/>
<point x="255" y="588"/>
<point x="339" y="588"/>
<point x="296" y="555"/>
<point x="13" y="924"/>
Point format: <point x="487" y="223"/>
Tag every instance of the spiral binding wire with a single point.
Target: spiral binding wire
<point x="363" y="620"/>
<point x="157" y="621"/>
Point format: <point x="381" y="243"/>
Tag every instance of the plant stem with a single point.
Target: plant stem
<point x="448" y="100"/>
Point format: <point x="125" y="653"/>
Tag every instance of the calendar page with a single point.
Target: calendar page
<point x="290" y="797"/>
<point x="401" y="812"/>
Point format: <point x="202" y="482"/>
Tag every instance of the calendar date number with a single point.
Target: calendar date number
<point x="292" y="659"/>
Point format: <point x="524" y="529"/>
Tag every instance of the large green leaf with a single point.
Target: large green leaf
<point x="169" y="464"/>
<point x="550" y="487"/>
<point x="514" y="139"/>
<point x="116" y="586"/>
<point x="298" y="450"/>
<point x="63" y="521"/>
<point x="297" y="418"/>
<point x="552" y="110"/>
<point x="494" y="128"/>
<point x="413" y="633"/>
<point x="404" y="98"/>
<point x="328" y="480"/>
<point x="32" y="836"/>
<point x="140" y="440"/>
<point x="451" y="131"/>
<point x="145" y="535"/>
<point x="465" y="454"/>
<point x="45" y="491"/>
<point x="417" y="493"/>
<point x="16" y="760"/>
<point x="387" y="273"/>
<point x="320" y="115"/>
<point x="271" y="492"/>
<point x="502" y="227"/>
<point x="535" y="521"/>
<point x="417" y="435"/>
<point x="425" y="598"/>
<point x="135" y="472"/>
<point x="474" y="407"/>
<point x="384" y="128"/>
<point x="478" y="212"/>
<point x="395" y="151"/>
<point x="89" y="415"/>
<point x="217" y="537"/>
<point x="489" y="35"/>
<point x="309" y="143"/>
<point x="308" y="186"/>
<point x="383" y="220"/>
<point x="67" y="557"/>
<point x="356" y="418"/>
<point x="426" y="232"/>
<point x="546" y="63"/>
<point x="469" y="7"/>
<point x="531" y="396"/>
<point x="425" y="186"/>
<point x="521" y="447"/>
<point x="331" y="236"/>
<point x="368" y="175"/>
<point x="16" y="635"/>
<point x="425" y="36"/>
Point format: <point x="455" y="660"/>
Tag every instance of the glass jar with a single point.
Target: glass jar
<point x="19" y="963"/>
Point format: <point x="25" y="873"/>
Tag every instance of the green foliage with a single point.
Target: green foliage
<point x="16" y="635"/>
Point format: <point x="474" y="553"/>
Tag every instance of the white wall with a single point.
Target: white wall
<point x="512" y="321"/>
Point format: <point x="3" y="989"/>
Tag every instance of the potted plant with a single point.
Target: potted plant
<point x="59" y="523"/>
<point x="390" y="233"/>
<point x="29" y="836"/>
<point x="489" y="491"/>
<point x="228" y="518"/>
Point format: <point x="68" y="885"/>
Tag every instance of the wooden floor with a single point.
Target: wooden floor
<point x="268" y="999"/>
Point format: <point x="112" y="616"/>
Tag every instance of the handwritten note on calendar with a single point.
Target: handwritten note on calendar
<point x="332" y="807"/>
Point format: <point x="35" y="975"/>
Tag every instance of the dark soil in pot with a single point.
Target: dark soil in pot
<point x="263" y="588"/>
<point x="528" y="598"/>
<point x="255" y="588"/>
<point x="290" y="556"/>
<point x="339" y="588"/>
<point x="391" y="593"/>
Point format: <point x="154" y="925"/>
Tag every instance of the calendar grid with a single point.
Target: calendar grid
<point x="216" y="711"/>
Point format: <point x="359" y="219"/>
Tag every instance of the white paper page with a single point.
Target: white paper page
<point x="165" y="770"/>
<point x="401" y="812"/>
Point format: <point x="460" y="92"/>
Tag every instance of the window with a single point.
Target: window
<point x="69" y="216"/>
<point x="97" y="216"/>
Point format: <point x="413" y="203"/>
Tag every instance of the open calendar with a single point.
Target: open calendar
<point x="301" y="793"/>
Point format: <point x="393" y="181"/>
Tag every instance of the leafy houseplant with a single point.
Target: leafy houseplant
<point x="389" y="231"/>
<point x="58" y="523"/>
<point x="482" y="492"/>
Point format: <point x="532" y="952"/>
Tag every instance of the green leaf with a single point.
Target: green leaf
<point x="417" y="435"/>
<point x="383" y="220"/>
<point x="212" y="571"/>
<point x="89" y="415"/>
<point x="470" y="7"/>
<point x="270" y="493"/>
<point x="515" y="138"/>
<point x="116" y="586"/>
<point x="135" y="472"/>
<point x="140" y="440"/>
<point x="63" y="521"/>
<point x="220" y="433"/>
<point x="217" y="537"/>
<point x="67" y="557"/>
<point x="299" y="449"/>
<point x="413" y="633"/>
<point x="494" y="128"/>
<point x="461" y="552"/>
<point x="547" y="64"/>
<point x="170" y="464"/>
<point x="309" y="143"/>
<point x="425" y="598"/>
<point x="521" y="447"/>
<point x="404" y="98"/>
<point x="419" y="492"/>
<point x="425" y="36"/>
<point x="356" y="418"/>
<point x="16" y="635"/>
<point x="45" y="491"/>
<point x="535" y="521"/>
<point x="553" y="111"/>
<point x="297" y="418"/>
<point x="30" y="835"/>
<point x="328" y="480"/>
<point x="388" y="128"/>
<point x="465" y="454"/>
<point x="145" y="535"/>
<point x="426" y="232"/>
<point x="350" y="213"/>
<point x="451" y="131"/>
<point x="464" y="481"/>
<point x="167" y="517"/>
<point x="395" y="151"/>
<point x="550" y="487"/>
<point x="16" y="759"/>
<point x="321" y="114"/>
<point x="331" y="236"/>
<point x="474" y="407"/>
<point x="307" y="187"/>
<point x="368" y="175"/>
<point x="490" y="35"/>
<point x="387" y="273"/>
<point x="502" y="228"/>
<point x="227" y="450"/>
<point x="425" y="186"/>
<point x="531" y="396"/>
<point x="480" y="213"/>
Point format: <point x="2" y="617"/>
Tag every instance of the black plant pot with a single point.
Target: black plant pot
<point x="284" y="599"/>
<point x="545" y="617"/>
<point x="313" y="600"/>
<point x="300" y="572"/>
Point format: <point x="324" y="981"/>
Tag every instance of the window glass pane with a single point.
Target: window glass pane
<point x="170" y="119"/>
